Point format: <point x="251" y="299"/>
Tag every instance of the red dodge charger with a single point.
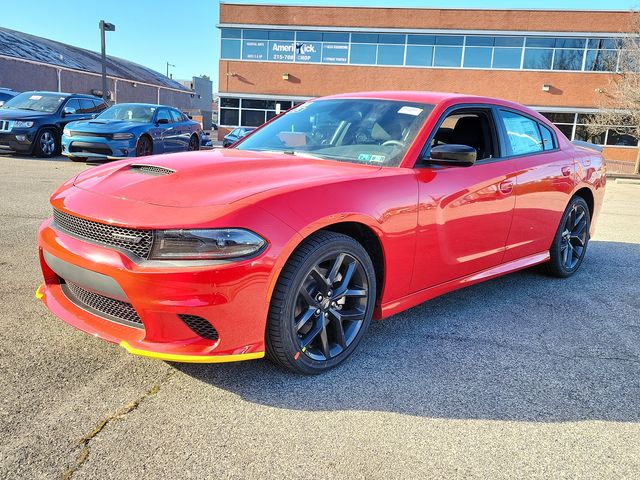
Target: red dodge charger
<point x="343" y="209"/>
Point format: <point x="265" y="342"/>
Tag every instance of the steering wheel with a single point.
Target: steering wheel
<point x="393" y="142"/>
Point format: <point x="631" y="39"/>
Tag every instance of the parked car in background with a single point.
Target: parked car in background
<point x="236" y="134"/>
<point x="290" y="242"/>
<point x="32" y="122"/>
<point x="131" y="130"/>
<point x="6" y="94"/>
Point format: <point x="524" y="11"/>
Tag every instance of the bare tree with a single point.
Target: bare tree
<point x="619" y="109"/>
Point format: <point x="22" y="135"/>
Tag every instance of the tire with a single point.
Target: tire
<point x="571" y="240"/>
<point x="47" y="143"/>
<point x="144" y="147"/>
<point x="194" y="143"/>
<point x="308" y="312"/>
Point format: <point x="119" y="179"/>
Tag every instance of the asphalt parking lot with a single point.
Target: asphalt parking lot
<point x="523" y="376"/>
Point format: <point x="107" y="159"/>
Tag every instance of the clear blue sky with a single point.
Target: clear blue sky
<point x="153" y="32"/>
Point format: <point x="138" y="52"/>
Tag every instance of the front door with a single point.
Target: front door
<point x="464" y="213"/>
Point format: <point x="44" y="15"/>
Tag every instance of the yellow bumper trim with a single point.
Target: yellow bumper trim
<point x="173" y="357"/>
<point x="39" y="293"/>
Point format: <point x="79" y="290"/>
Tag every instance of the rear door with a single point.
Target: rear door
<point x="464" y="213"/>
<point x="544" y="182"/>
<point x="167" y="133"/>
<point x="182" y="130"/>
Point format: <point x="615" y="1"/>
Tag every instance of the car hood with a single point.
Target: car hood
<point x="15" y="114"/>
<point x="218" y="177"/>
<point x="102" y="126"/>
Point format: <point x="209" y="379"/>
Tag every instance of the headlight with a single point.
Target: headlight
<point x="122" y="136"/>
<point x="22" y="124"/>
<point x="66" y="132"/>
<point x="215" y="244"/>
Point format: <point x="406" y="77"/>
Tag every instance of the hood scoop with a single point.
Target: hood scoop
<point x="151" y="169"/>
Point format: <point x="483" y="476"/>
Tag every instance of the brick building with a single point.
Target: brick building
<point x="558" y="62"/>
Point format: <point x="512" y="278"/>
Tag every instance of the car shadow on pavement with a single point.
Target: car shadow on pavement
<point x="524" y="347"/>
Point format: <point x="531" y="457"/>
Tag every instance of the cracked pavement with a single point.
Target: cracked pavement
<point x="522" y="376"/>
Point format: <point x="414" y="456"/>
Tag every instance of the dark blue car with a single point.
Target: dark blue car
<point x="131" y="130"/>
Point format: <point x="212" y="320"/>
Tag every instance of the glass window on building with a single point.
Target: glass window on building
<point x="419" y="56"/>
<point x="537" y="58"/>
<point x="229" y="117"/>
<point x="252" y="118"/>
<point x="230" y="49"/>
<point x="507" y="58"/>
<point x="447" y="56"/>
<point x="477" y="57"/>
<point x="601" y="60"/>
<point x="363" y="54"/>
<point x="568" y="59"/>
<point x="390" y="54"/>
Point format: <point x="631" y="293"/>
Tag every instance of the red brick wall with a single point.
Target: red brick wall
<point x="459" y="19"/>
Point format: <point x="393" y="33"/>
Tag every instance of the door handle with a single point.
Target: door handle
<point x="506" y="187"/>
<point x="566" y="171"/>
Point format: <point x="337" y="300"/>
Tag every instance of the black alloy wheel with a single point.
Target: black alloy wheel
<point x="570" y="243"/>
<point x="322" y="304"/>
<point x="194" y="143"/>
<point x="144" y="147"/>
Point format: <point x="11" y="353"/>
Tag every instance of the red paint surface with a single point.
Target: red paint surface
<point x="440" y="229"/>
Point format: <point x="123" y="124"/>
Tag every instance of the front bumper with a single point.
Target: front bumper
<point x="98" y="148"/>
<point x="19" y="141"/>
<point x="232" y="297"/>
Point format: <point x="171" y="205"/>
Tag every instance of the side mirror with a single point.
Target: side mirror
<point x="452" y="154"/>
<point x="69" y="111"/>
<point x="162" y="121"/>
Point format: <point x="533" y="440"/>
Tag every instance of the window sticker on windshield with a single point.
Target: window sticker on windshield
<point x="301" y="108"/>
<point x="35" y="97"/>
<point x="415" y="111"/>
<point x="366" y="157"/>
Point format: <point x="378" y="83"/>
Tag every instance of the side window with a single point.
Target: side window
<point x="177" y="116"/>
<point x="99" y="105"/>
<point x="547" y="138"/>
<point x="86" y="106"/>
<point x="163" y="114"/>
<point x="471" y="127"/>
<point x="73" y="103"/>
<point x="523" y="134"/>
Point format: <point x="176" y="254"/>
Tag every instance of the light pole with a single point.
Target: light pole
<point x="105" y="27"/>
<point x="169" y="65"/>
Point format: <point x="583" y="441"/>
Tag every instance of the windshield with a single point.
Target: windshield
<point x="37" y="102"/>
<point x="130" y="113"/>
<point x="366" y="131"/>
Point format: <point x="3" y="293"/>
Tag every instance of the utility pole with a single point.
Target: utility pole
<point x="105" y="27"/>
<point x="169" y="65"/>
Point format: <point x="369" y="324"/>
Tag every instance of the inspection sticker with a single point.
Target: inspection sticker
<point x="366" y="157"/>
<point x="415" y="111"/>
<point x="35" y="97"/>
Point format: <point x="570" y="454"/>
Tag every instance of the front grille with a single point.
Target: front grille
<point x="200" y="326"/>
<point x="106" y="307"/>
<point x="152" y="169"/>
<point x="75" y="133"/>
<point x="138" y="242"/>
<point x="5" y="126"/>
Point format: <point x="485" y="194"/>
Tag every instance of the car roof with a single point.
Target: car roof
<point x="154" y="105"/>
<point x="433" y="98"/>
<point x="64" y="94"/>
<point x="436" y="98"/>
